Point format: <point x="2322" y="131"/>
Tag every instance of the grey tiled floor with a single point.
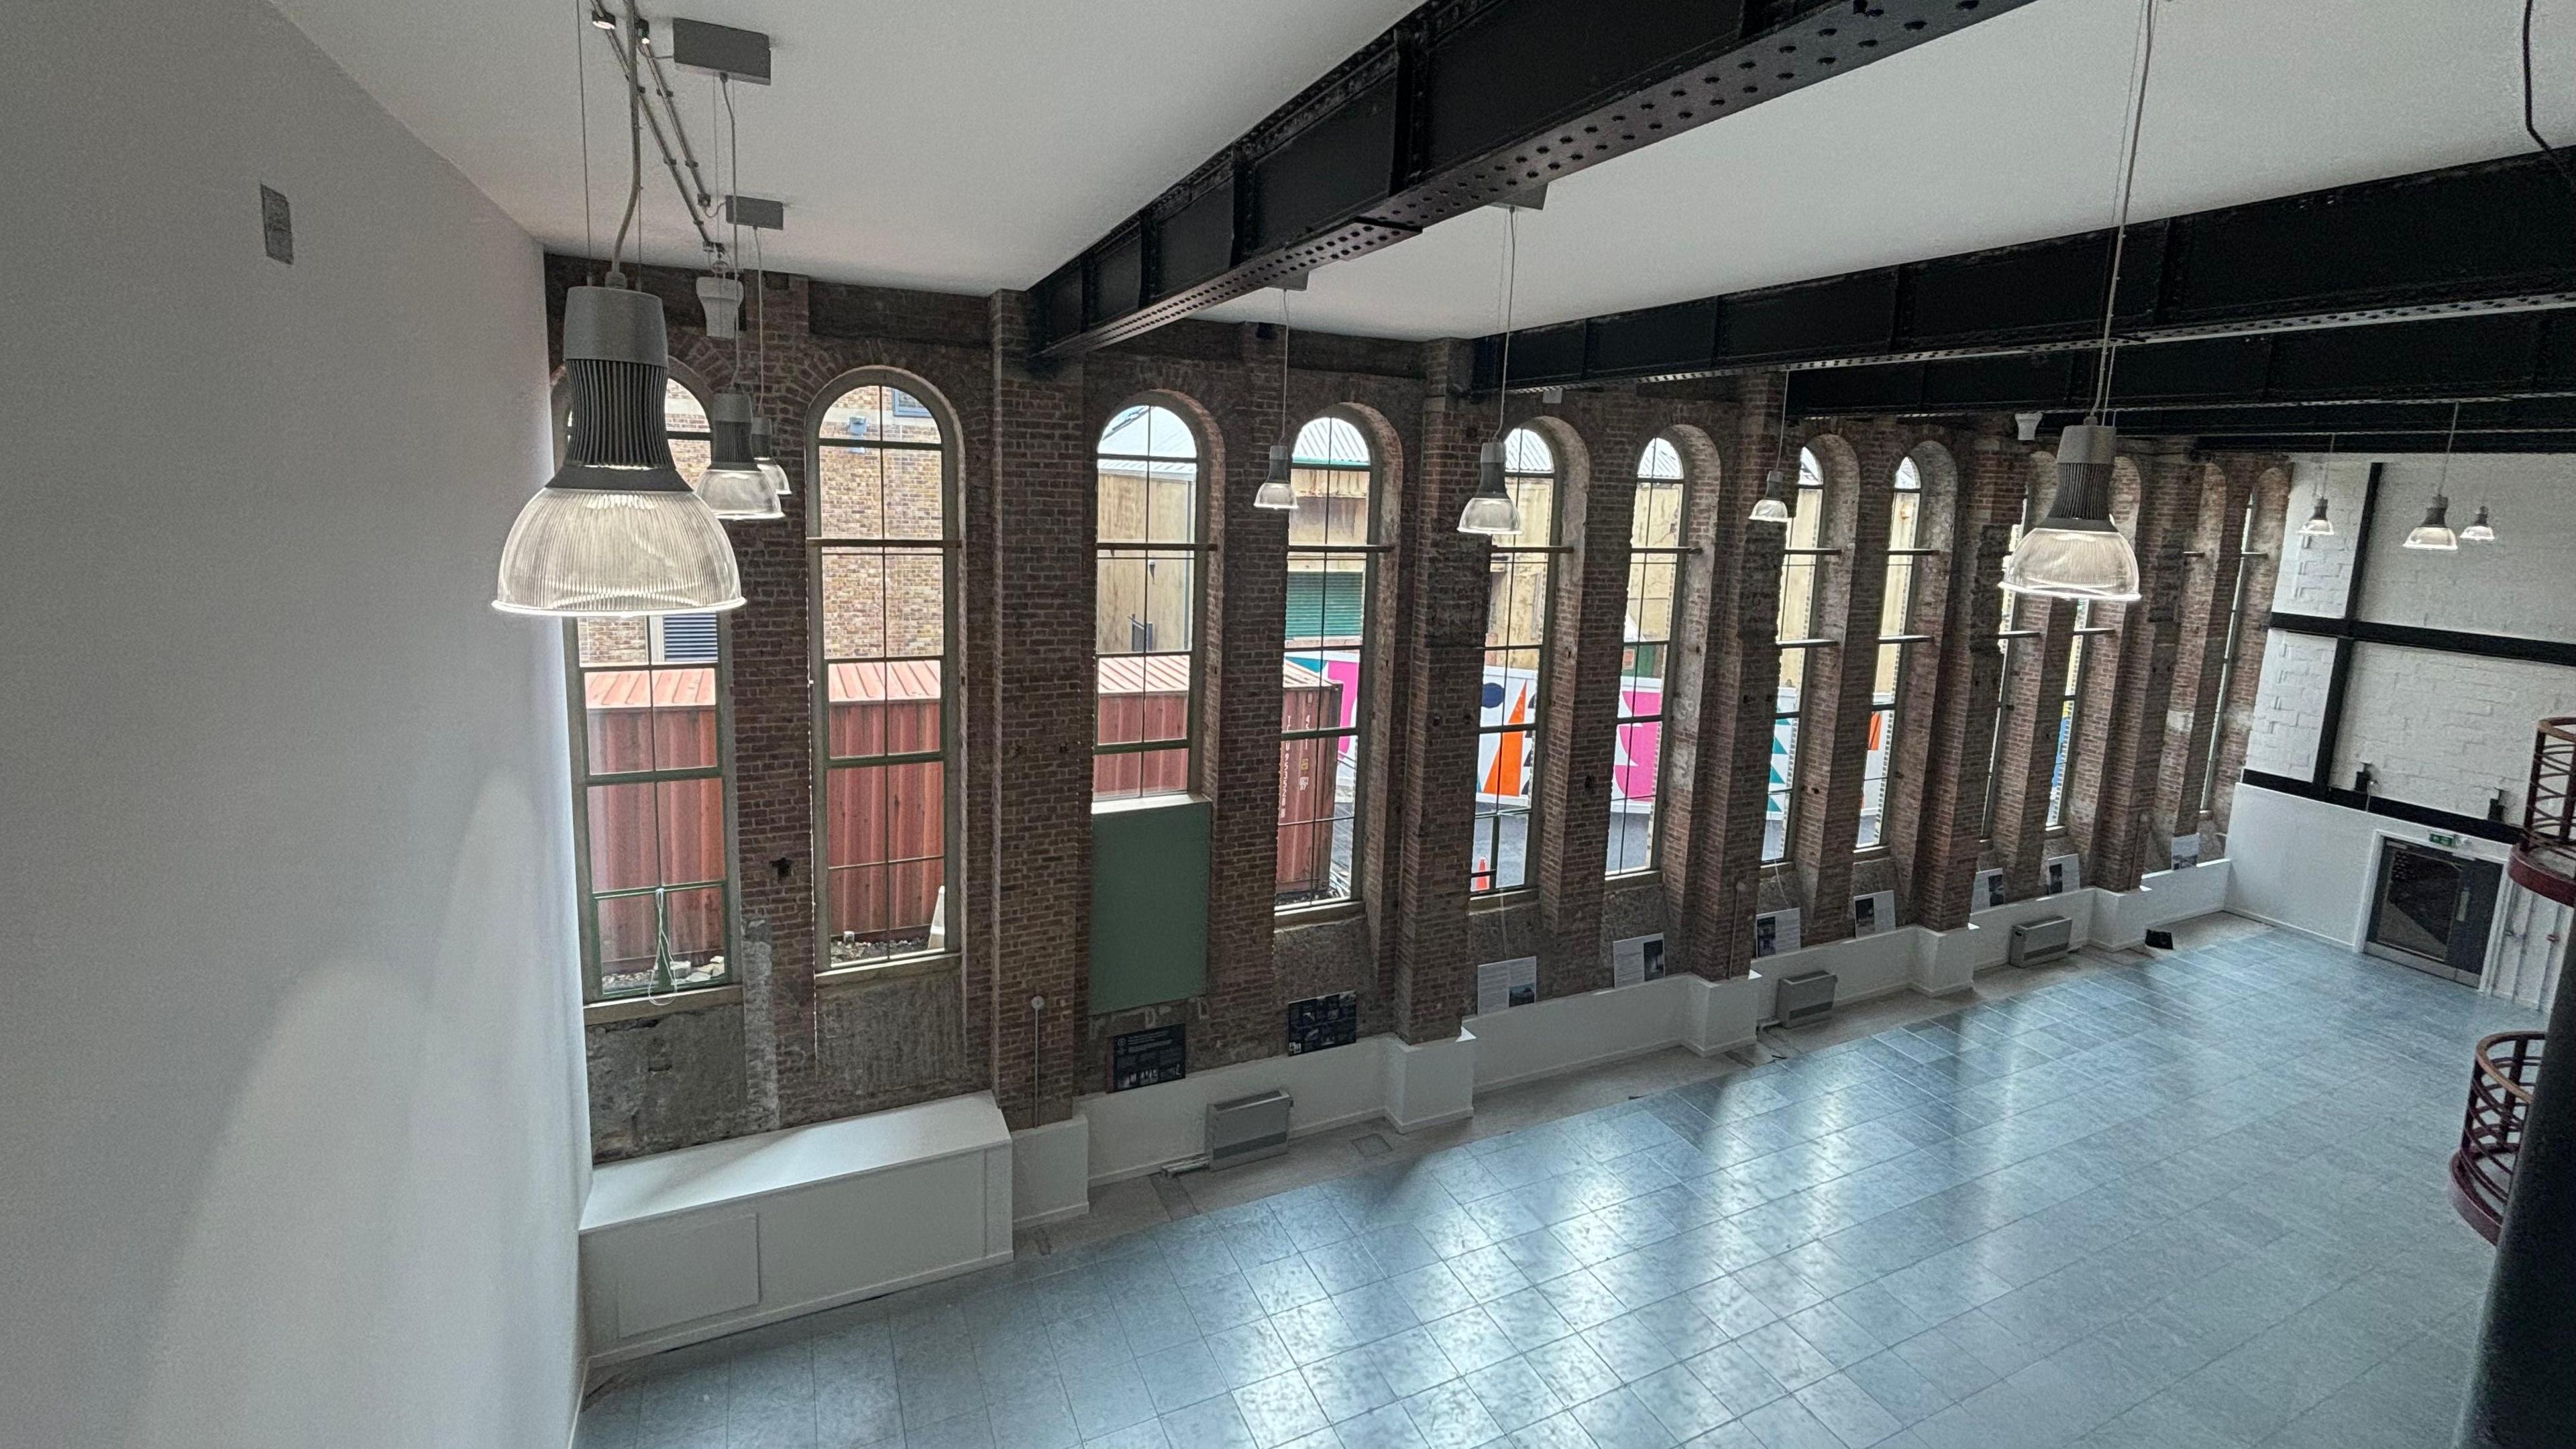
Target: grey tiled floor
<point x="2192" y="1204"/>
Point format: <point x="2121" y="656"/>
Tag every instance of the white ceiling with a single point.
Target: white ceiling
<point x="976" y="144"/>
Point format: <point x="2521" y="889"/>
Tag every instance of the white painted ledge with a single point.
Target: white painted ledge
<point x="709" y="1240"/>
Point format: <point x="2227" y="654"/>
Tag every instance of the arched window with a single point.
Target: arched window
<point x="885" y="606"/>
<point x="1800" y="584"/>
<point x="1330" y="644"/>
<point x="1519" y="602"/>
<point x="1896" y="613"/>
<point x="1655" y="532"/>
<point x="1147" y="542"/>
<point x="653" y="781"/>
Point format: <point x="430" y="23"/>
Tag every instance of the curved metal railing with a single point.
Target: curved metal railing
<point x="2544" y="860"/>
<point x="2500" y="1083"/>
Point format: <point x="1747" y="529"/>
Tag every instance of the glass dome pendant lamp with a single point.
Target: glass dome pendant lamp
<point x="2479" y="529"/>
<point x="617" y="531"/>
<point x="1277" y="491"/>
<point x="1490" y="510"/>
<point x="2076" y="551"/>
<point x="733" y="485"/>
<point x="2318" y="525"/>
<point x="2434" y="533"/>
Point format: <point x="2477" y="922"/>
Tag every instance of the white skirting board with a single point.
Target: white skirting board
<point x="710" y="1240"/>
<point x="1128" y="1134"/>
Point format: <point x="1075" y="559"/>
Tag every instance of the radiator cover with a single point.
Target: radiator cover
<point x="1248" y="1128"/>
<point x="2043" y="940"/>
<point x="1803" y="998"/>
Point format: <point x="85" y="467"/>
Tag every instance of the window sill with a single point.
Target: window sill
<point x="1171" y="801"/>
<point x="1319" y="913"/>
<point x="902" y="968"/>
<point x="1500" y="900"/>
<point x="1631" y="877"/>
<point x="645" y="1008"/>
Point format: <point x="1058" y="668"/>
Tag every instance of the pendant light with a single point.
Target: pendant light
<point x="721" y="296"/>
<point x="2075" y="551"/>
<point x="2318" y="525"/>
<point x="733" y="484"/>
<point x="2479" y="529"/>
<point x="617" y="530"/>
<point x="1774" y="505"/>
<point x="1276" y="490"/>
<point x="763" y="447"/>
<point x="1491" y="510"/>
<point x="2434" y="532"/>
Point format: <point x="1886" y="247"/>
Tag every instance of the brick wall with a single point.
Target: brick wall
<point x="801" y="1047"/>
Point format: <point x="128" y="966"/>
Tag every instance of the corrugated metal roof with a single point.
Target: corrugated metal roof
<point x="670" y="688"/>
<point x="903" y="679"/>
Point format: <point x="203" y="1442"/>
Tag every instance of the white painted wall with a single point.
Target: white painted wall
<point x="2447" y="730"/>
<point x="2310" y="866"/>
<point x="289" y="1062"/>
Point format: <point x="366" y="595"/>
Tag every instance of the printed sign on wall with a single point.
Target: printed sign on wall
<point x="2060" y="874"/>
<point x="1144" y="1058"/>
<point x="1322" y="1022"/>
<point x="1636" y="960"/>
<point x="1873" y="913"/>
<point x="1775" y="933"/>
<point x="1989" y="890"/>
<point x="1501" y="985"/>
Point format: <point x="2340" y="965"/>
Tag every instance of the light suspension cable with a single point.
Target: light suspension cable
<point x="1774" y="504"/>
<point x="1491" y="511"/>
<point x="2076" y="552"/>
<point x="1277" y="491"/>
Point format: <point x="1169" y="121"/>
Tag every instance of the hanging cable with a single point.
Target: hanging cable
<point x="2530" y="123"/>
<point x="581" y="89"/>
<point x="2136" y="122"/>
<point x="1511" y="280"/>
<point x="634" y="175"/>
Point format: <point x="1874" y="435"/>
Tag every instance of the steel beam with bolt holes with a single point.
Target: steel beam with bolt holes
<point x="2225" y="294"/>
<point x="1462" y="104"/>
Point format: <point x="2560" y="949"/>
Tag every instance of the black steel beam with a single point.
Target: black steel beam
<point x="2499" y="236"/>
<point x="2286" y="375"/>
<point x="1463" y="103"/>
<point x="2429" y="816"/>
<point x="2444" y="641"/>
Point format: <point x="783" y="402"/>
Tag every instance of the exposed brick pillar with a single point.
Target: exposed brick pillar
<point x="2030" y="698"/>
<point x="2208" y="601"/>
<point x="1709" y="901"/>
<point x="2121" y="720"/>
<point x="1938" y="796"/>
<point x="1713" y="494"/>
<point x="1043" y="472"/>
<point x="1239" y="723"/>
<point x="2271" y="539"/>
<point x="769" y="653"/>
<point x="1443" y="641"/>
<point x="1833" y="730"/>
<point x="1579" y="743"/>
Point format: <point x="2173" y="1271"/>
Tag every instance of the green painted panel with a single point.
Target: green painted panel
<point x="1149" y="903"/>
<point x="1324" y="605"/>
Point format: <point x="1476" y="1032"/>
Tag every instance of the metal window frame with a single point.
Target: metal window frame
<point x="1672" y="620"/>
<point x="952" y="711"/>
<point x="1815" y="604"/>
<point x="1904" y="661"/>
<point x="1362" y="761"/>
<point x="1200" y="549"/>
<point x="1541" y="702"/>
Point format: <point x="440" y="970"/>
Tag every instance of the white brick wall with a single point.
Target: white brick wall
<point x="2316" y="572"/>
<point x="2290" y="704"/>
<point x="2447" y="730"/>
<point x="2437" y="729"/>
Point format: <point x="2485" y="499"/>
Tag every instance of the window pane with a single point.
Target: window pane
<point x="1873" y="778"/>
<point x="885" y="707"/>
<point x="1632" y="795"/>
<point x="695" y="922"/>
<point x="1144" y="697"/>
<point x="1316" y="808"/>
<point x="883" y="602"/>
<point x="650" y="833"/>
<point x="884" y="847"/>
<point x="1784" y="778"/>
<point x="614" y="641"/>
<point x="878" y="415"/>
<point x="1139" y="773"/>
